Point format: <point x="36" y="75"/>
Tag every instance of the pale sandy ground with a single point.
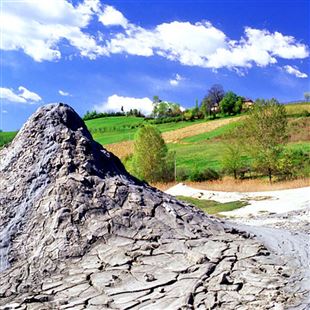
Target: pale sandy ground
<point x="279" y="219"/>
<point x="273" y="202"/>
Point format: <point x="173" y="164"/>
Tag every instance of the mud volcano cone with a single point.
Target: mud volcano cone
<point x="77" y="231"/>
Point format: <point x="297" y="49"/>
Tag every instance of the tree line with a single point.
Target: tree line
<point x="215" y="102"/>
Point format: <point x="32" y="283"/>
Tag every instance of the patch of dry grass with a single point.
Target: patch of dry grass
<point x="120" y="149"/>
<point x="299" y="129"/>
<point x="228" y="184"/>
<point x="196" y="129"/>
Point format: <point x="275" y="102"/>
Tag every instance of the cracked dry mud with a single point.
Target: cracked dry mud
<point x="77" y="231"/>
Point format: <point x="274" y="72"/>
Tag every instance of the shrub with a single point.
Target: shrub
<point x="182" y="174"/>
<point x="204" y="175"/>
<point x="292" y="164"/>
<point x="305" y="113"/>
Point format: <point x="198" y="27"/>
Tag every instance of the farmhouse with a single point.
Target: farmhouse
<point x="247" y="104"/>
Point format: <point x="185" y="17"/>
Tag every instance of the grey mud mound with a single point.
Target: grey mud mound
<point x="78" y="232"/>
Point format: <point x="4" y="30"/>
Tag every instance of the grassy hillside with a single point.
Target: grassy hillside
<point x="108" y="130"/>
<point x="297" y="110"/>
<point x="6" y="137"/>
<point x="206" y="150"/>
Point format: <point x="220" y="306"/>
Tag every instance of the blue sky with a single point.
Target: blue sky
<point x="103" y="55"/>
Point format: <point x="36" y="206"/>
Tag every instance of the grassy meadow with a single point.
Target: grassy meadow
<point x="213" y="207"/>
<point x="6" y="137"/>
<point x="108" y="130"/>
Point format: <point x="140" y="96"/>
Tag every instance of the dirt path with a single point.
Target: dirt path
<point x="125" y="148"/>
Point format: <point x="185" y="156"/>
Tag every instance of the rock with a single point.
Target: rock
<point x="77" y="231"/>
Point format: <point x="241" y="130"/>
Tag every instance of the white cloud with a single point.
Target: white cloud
<point x="115" y="103"/>
<point x="24" y="95"/>
<point x="176" y="80"/>
<point x="294" y="71"/>
<point x="4" y="111"/>
<point x="63" y="93"/>
<point x="112" y="17"/>
<point x="39" y="28"/>
<point x="259" y="47"/>
<point x="28" y="95"/>
<point x="203" y="45"/>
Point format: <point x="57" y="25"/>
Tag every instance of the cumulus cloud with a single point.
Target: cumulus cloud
<point x="203" y="45"/>
<point x="115" y="103"/>
<point x="112" y="17"/>
<point x="63" y="93"/>
<point x="176" y="80"/>
<point x="39" y="29"/>
<point x="23" y="96"/>
<point x="294" y="71"/>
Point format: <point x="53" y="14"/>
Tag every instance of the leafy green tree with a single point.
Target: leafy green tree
<point x="189" y="114"/>
<point x="228" y="103"/>
<point x="232" y="160"/>
<point x="238" y="105"/>
<point x="150" y="155"/>
<point x="165" y="109"/>
<point x="231" y="103"/>
<point x="265" y="133"/>
<point x="206" y="106"/>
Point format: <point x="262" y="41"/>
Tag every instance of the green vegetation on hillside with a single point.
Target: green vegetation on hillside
<point x="7" y="137"/>
<point x="109" y="130"/>
<point x="298" y="109"/>
<point x="216" y="133"/>
<point x="213" y="207"/>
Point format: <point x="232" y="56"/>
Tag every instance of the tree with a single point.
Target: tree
<point x="206" y="106"/>
<point x="265" y="133"/>
<point x="212" y="99"/>
<point x="307" y="96"/>
<point x="216" y="94"/>
<point x="165" y="109"/>
<point x="232" y="161"/>
<point x="150" y="155"/>
<point x="228" y="103"/>
<point x="238" y="105"/>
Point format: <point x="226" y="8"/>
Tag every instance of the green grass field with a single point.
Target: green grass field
<point x="6" y="137"/>
<point x="211" y="206"/>
<point x="209" y="154"/>
<point x="199" y="156"/>
<point x="296" y="110"/>
<point x="109" y="130"/>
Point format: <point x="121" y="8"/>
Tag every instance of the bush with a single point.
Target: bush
<point x="182" y="174"/>
<point x="305" y="113"/>
<point x="293" y="164"/>
<point x="204" y="175"/>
